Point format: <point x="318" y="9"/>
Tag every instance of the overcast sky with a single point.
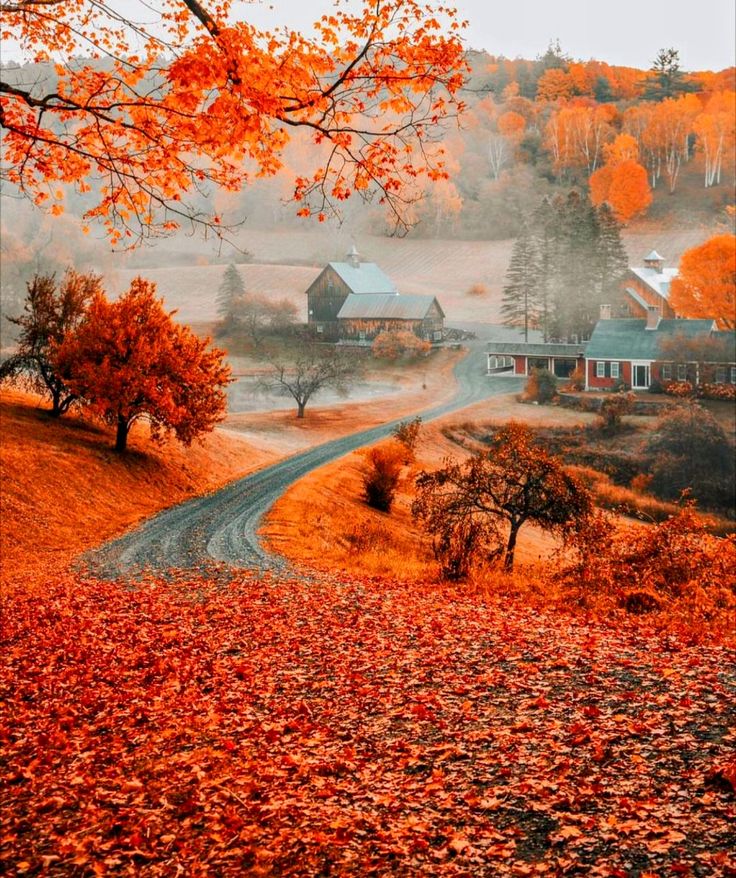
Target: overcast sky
<point x="628" y="32"/>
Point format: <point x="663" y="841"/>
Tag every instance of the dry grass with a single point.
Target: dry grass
<point x="65" y="490"/>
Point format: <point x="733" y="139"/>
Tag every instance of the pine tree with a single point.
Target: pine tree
<point x="612" y="262"/>
<point x="231" y="288"/>
<point x="668" y="80"/>
<point x="522" y="281"/>
<point x="546" y="244"/>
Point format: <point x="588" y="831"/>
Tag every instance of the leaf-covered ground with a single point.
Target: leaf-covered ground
<point x="230" y="726"/>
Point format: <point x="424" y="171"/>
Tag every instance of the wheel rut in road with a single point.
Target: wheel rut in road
<point x="222" y="528"/>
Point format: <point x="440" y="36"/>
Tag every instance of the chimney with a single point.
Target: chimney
<point x="653" y="317"/>
<point x="605" y="312"/>
<point x="655" y="261"/>
<point x="353" y="257"/>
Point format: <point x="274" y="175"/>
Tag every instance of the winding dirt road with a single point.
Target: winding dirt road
<point x="223" y="527"/>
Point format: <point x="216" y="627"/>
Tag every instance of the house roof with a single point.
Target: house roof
<point x="655" y="280"/>
<point x="531" y="349"/>
<point x="372" y="306"/>
<point x="365" y="279"/>
<point x="629" y="339"/>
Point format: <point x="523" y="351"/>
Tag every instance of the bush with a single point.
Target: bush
<point x="394" y="345"/>
<point x="381" y="475"/>
<point x="689" y="450"/>
<point x="576" y="381"/>
<point x="612" y="409"/>
<point x="541" y="386"/>
<point x="407" y="433"/>
<point x="478" y="290"/>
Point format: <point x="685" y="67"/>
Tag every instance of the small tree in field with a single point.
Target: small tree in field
<point x="311" y="369"/>
<point x="407" y="433"/>
<point x="613" y="408"/>
<point x="479" y="506"/>
<point x="231" y="288"/>
<point x="51" y="311"/>
<point x="129" y="360"/>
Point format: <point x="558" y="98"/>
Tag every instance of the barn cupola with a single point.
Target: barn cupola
<point x="655" y="261"/>
<point x="353" y="257"/>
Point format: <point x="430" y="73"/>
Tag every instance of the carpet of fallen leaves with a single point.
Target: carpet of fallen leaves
<point x="227" y="726"/>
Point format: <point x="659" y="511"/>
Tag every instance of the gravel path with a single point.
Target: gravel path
<point x="222" y="528"/>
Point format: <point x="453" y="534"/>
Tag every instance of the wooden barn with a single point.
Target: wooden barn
<point x="648" y="287"/>
<point x="355" y="301"/>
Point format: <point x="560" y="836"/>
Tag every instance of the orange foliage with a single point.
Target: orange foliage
<point x="624" y="186"/>
<point x="623" y="148"/>
<point x="555" y="85"/>
<point x="706" y="283"/>
<point x="129" y="360"/>
<point x="63" y="491"/>
<point x="222" y="108"/>
<point x="511" y="124"/>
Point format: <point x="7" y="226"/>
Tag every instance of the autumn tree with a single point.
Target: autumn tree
<point x="624" y="186"/>
<point x="257" y="316"/>
<point x="129" y="360"/>
<point x="198" y="96"/>
<point x="52" y="310"/>
<point x="381" y="473"/>
<point x="488" y="498"/>
<point x="519" y="305"/>
<point x="706" y="283"/>
<point x="310" y="369"/>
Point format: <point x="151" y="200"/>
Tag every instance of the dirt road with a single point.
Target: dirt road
<point x="223" y="527"/>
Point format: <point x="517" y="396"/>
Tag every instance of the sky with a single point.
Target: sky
<point x="627" y="32"/>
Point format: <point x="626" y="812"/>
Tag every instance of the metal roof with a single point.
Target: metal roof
<point x="366" y="278"/>
<point x="532" y="349"/>
<point x="629" y="339"/>
<point x="656" y="280"/>
<point x="368" y="306"/>
<point x="637" y="298"/>
<point x="654" y="255"/>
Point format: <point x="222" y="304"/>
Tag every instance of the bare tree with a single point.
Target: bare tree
<point x="312" y="368"/>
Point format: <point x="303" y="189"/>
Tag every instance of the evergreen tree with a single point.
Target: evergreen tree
<point x="522" y="282"/>
<point x="546" y="244"/>
<point x="612" y="259"/>
<point x="231" y="288"/>
<point x="668" y="80"/>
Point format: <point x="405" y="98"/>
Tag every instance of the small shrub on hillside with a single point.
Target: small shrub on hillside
<point x="478" y="290"/>
<point x="407" y="433"/>
<point x="541" y="386"/>
<point x="381" y="474"/>
<point x="674" y="565"/>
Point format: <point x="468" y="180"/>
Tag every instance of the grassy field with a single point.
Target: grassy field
<point x="446" y="269"/>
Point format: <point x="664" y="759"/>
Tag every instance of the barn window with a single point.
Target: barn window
<point x="320" y="328"/>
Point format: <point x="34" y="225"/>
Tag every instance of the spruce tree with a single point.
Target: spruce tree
<point x="231" y="288"/>
<point x="668" y="80"/>
<point x="612" y="262"/>
<point x="522" y="280"/>
<point x="545" y="233"/>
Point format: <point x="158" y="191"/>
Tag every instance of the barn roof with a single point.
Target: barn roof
<point x="371" y="306"/>
<point x="364" y="279"/>
<point x="629" y="339"/>
<point x="655" y="280"/>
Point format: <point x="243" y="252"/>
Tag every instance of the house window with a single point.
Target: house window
<point x="614" y="370"/>
<point x="720" y="374"/>
<point x="665" y="372"/>
<point x="681" y="372"/>
<point x="600" y="370"/>
<point x="733" y="374"/>
<point x="320" y="328"/>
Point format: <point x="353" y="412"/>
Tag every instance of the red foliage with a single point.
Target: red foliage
<point x="234" y="727"/>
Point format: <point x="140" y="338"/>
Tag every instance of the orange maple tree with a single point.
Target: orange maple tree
<point x="130" y="360"/>
<point x="624" y="186"/>
<point x="706" y="283"/>
<point x="152" y="112"/>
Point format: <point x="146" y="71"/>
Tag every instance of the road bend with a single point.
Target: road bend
<point x="222" y="528"/>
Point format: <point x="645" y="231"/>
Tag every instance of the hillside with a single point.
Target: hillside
<point x="65" y="490"/>
<point x="443" y="268"/>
